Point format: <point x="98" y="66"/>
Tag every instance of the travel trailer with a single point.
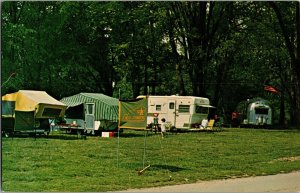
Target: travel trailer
<point x="254" y="112"/>
<point x="180" y="112"/>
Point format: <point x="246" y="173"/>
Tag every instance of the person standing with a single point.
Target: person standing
<point x="163" y="127"/>
<point x="155" y="123"/>
<point x="216" y="118"/>
<point x="234" y="120"/>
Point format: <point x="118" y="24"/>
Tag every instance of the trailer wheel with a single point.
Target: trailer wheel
<point x="32" y="134"/>
<point x="173" y="129"/>
<point x="46" y="133"/>
<point x="6" y="134"/>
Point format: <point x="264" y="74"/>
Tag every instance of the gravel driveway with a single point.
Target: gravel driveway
<point x="289" y="182"/>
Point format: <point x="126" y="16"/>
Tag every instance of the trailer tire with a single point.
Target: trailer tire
<point x="173" y="129"/>
<point x="6" y="134"/>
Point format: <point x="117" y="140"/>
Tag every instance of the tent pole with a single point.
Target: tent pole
<point x="118" y="136"/>
<point x="118" y="128"/>
<point x="144" y="156"/>
<point x="118" y="147"/>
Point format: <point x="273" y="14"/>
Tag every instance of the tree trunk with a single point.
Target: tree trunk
<point x="295" y="59"/>
<point x="193" y="21"/>
<point x="297" y="66"/>
<point x="221" y="73"/>
<point x="178" y="66"/>
<point x="180" y="84"/>
<point x="146" y="78"/>
<point x="282" y="110"/>
<point x="198" y="45"/>
<point x="153" y="55"/>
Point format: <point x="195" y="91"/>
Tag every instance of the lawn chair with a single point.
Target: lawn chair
<point x="203" y="124"/>
<point x="210" y="125"/>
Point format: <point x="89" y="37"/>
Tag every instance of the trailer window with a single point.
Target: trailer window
<point x="171" y="105"/>
<point x="158" y="107"/>
<point x="184" y="109"/>
<point x="201" y="110"/>
<point x="263" y="111"/>
<point x="76" y="112"/>
<point x="48" y="112"/>
<point x="90" y="109"/>
<point x="8" y="107"/>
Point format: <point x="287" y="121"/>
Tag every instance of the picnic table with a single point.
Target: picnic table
<point x="71" y="128"/>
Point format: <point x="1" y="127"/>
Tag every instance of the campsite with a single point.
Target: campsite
<point x="101" y="96"/>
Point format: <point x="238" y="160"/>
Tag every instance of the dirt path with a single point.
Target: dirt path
<point x="274" y="183"/>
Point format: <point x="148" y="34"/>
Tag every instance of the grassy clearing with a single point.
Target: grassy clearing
<point x="64" y="163"/>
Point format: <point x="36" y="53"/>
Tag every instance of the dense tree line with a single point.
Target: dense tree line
<point x="226" y="51"/>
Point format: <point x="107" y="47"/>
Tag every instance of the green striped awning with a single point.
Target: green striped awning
<point x="106" y="107"/>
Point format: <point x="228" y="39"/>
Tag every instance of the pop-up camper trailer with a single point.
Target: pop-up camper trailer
<point x="29" y="111"/>
<point x="92" y="112"/>
<point x="180" y="112"/>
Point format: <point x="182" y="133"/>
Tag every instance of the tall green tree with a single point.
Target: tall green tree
<point x="226" y="51"/>
<point x="292" y="46"/>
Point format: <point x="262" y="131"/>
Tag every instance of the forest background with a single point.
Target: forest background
<point x="226" y="51"/>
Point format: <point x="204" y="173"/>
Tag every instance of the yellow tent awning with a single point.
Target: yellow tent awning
<point x="10" y="97"/>
<point x="37" y="101"/>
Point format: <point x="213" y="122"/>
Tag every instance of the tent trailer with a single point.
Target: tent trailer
<point x="29" y="111"/>
<point x="92" y="112"/>
<point x="180" y="112"/>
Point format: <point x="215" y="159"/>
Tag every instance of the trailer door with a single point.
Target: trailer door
<point x="89" y="116"/>
<point x="171" y="114"/>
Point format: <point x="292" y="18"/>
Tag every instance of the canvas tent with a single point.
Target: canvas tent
<point x="29" y="110"/>
<point x="92" y="111"/>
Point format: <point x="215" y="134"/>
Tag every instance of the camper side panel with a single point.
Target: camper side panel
<point x="191" y="111"/>
<point x="183" y="113"/>
<point x="157" y="107"/>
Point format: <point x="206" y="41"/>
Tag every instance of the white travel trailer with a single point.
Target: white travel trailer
<point x="180" y="112"/>
<point x="256" y="112"/>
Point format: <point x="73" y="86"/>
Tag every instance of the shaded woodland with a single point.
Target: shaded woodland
<point x="226" y="51"/>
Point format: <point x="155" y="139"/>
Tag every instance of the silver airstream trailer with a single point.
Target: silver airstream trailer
<point x="255" y="112"/>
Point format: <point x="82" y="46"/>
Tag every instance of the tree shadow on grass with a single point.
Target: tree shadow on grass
<point x="64" y="137"/>
<point x="167" y="167"/>
<point x="41" y="136"/>
<point x="130" y="135"/>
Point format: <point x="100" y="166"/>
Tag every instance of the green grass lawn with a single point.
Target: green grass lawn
<point x="64" y="163"/>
